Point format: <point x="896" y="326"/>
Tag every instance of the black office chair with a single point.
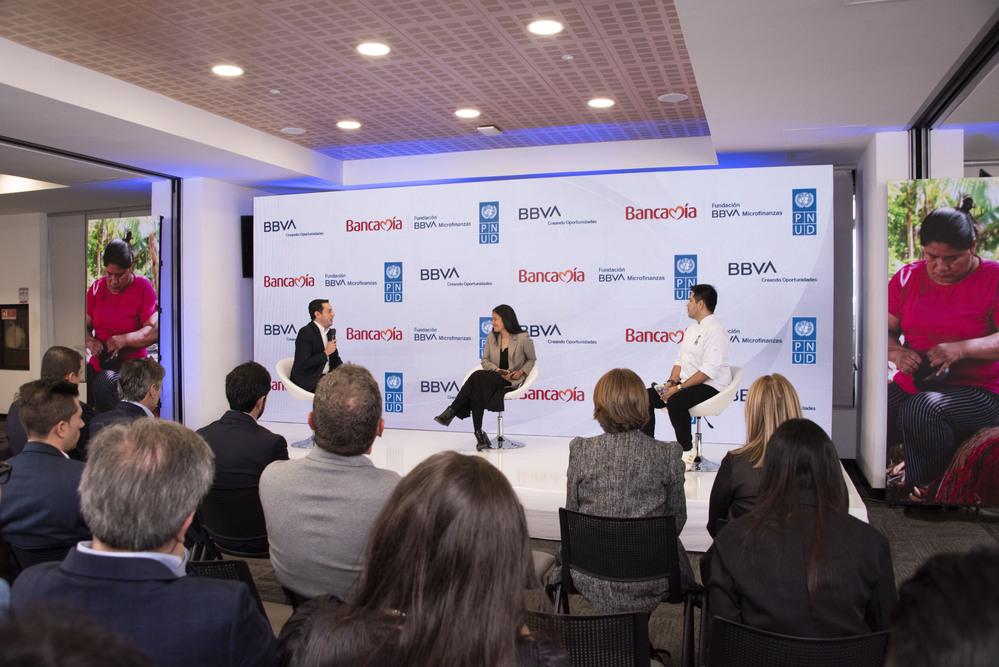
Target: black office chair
<point x="25" y="558"/>
<point x="736" y="645"/>
<point x="234" y="520"/>
<point x="626" y="550"/>
<point x="611" y="640"/>
<point x="231" y="570"/>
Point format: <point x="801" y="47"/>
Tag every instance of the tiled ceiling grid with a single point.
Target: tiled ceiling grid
<point x="445" y="54"/>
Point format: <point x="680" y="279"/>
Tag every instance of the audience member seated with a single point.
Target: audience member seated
<point x="771" y="401"/>
<point x="41" y="504"/>
<point x="799" y="564"/>
<point x="320" y="508"/>
<point x="139" y="384"/>
<point x="948" y="613"/>
<point x="60" y="638"/>
<point x="242" y="447"/>
<point x="58" y="363"/>
<point x="141" y="485"/>
<point x="624" y="473"/>
<point x="447" y="567"/>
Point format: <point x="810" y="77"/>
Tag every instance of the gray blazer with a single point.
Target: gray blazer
<point x="627" y="475"/>
<point x="319" y="510"/>
<point x="520" y="354"/>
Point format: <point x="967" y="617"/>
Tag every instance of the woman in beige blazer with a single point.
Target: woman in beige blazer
<point x="506" y="362"/>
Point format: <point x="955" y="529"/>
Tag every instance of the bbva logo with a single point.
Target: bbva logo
<point x="279" y="329"/>
<point x="751" y="268"/>
<point x="538" y="212"/>
<point x="278" y="225"/>
<point x="438" y="386"/>
<point x="435" y="273"/>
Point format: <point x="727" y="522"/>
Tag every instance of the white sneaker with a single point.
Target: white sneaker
<point x="688" y="459"/>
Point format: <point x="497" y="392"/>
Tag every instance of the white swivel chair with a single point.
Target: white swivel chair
<point x="501" y="441"/>
<point x="283" y="368"/>
<point x="710" y="408"/>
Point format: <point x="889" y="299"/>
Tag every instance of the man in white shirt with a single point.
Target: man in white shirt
<point x="701" y="369"/>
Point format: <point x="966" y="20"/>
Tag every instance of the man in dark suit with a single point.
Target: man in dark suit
<point x="141" y="485"/>
<point x="140" y="382"/>
<point x="41" y="506"/>
<point x="58" y="363"/>
<point x="315" y="347"/>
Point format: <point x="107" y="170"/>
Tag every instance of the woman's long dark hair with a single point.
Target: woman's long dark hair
<point x="449" y="556"/>
<point x="801" y="462"/>
<point x="509" y="318"/>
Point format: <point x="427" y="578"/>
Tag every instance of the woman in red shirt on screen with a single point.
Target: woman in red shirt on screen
<point x="946" y="306"/>
<point x="122" y="320"/>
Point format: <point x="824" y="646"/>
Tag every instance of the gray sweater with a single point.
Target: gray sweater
<point x="319" y="510"/>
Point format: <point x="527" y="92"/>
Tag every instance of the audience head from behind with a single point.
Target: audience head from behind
<point x="948" y="613"/>
<point x="61" y="638"/>
<point x="247" y="387"/>
<point x="142" y="483"/>
<point x="347" y="411"/>
<point x="62" y="363"/>
<point x="770" y="402"/>
<point x="141" y="381"/>
<point x="446" y="568"/>
<point x="620" y="401"/>
<point x="51" y="413"/>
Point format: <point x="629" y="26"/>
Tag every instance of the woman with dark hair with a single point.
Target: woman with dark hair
<point x="447" y="565"/>
<point x="122" y="320"/>
<point x="506" y="362"/>
<point x="946" y="307"/>
<point x="770" y="402"/>
<point x="799" y="564"/>
<point x="625" y="473"/>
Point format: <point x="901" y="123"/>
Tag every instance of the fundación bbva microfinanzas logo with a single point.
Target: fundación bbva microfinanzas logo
<point x="489" y="222"/>
<point x="684" y="276"/>
<point x="393" y="282"/>
<point x="393" y="392"/>
<point x="803" y="339"/>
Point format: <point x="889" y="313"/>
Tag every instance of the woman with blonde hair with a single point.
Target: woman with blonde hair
<point x="771" y="401"/>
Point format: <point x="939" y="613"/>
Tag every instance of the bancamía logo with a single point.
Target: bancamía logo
<point x="684" y="276"/>
<point x="489" y="222"/>
<point x="304" y="280"/>
<point x="653" y="336"/>
<point x="568" y="395"/>
<point x="392" y="224"/>
<point x="573" y="275"/>
<point x="391" y="334"/>
<point x="393" y="392"/>
<point x="485" y="328"/>
<point x="393" y="282"/>
<point x="803" y="340"/>
<point x="804" y="219"/>
<point x="662" y="213"/>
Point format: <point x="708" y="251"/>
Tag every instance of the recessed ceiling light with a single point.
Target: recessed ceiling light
<point x="373" y="49"/>
<point x="292" y="130"/>
<point x="545" y="27"/>
<point x="227" y="70"/>
<point x="672" y="97"/>
<point x="568" y="57"/>
<point x="275" y="91"/>
<point x="489" y="130"/>
<point x="348" y="125"/>
<point x="467" y="113"/>
<point x="601" y="102"/>
<point x="10" y="184"/>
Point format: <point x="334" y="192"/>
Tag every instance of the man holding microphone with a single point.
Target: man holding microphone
<point x="315" y="347"/>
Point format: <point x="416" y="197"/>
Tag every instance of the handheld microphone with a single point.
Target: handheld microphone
<point x="331" y="334"/>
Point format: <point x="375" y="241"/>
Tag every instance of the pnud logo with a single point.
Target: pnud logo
<point x="485" y="328"/>
<point x="393" y="392"/>
<point x="804" y="215"/>
<point x="304" y="280"/>
<point x="489" y="222"/>
<point x="804" y="340"/>
<point x="393" y="282"/>
<point x="278" y="225"/>
<point x="573" y="275"/>
<point x="684" y="276"/>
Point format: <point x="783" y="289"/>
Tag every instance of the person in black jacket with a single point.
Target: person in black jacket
<point x="315" y="347"/>
<point x="140" y="382"/>
<point x="799" y="564"/>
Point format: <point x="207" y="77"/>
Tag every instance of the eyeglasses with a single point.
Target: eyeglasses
<point x="4" y="471"/>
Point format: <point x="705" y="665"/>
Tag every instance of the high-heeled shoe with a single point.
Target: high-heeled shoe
<point x="445" y="418"/>
<point x="482" y="441"/>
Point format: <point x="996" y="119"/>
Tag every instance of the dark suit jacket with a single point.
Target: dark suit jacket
<point x="185" y="621"/>
<point x="40" y="504"/>
<point x="762" y="582"/>
<point x="310" y="357"/>
<point x="17" y="436"/>
<point x="124" y="412"/>
<point x="243" y="448"/>
<point x="734" y="491"/>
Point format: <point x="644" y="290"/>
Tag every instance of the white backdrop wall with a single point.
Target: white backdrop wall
<point x="595" y="266"/>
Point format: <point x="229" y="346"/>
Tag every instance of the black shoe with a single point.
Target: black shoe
<point x="445" y="418"/>
<point x="482" y="441"/>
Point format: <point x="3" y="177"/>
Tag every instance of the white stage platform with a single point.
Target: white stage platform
<point x="537" y="473"/>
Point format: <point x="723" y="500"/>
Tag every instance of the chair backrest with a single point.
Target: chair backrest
<point x="283" y="368"/>
<point x="734" y="644"/>
<point x="611" y="640"/>
<point x="230" y="570"/>
<point x="620" y="549"/>
<point x="233" y="515"/>
<point x="25" y="558"/>
<point x="528" y="381"/>
<point x="720" y="401"/>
